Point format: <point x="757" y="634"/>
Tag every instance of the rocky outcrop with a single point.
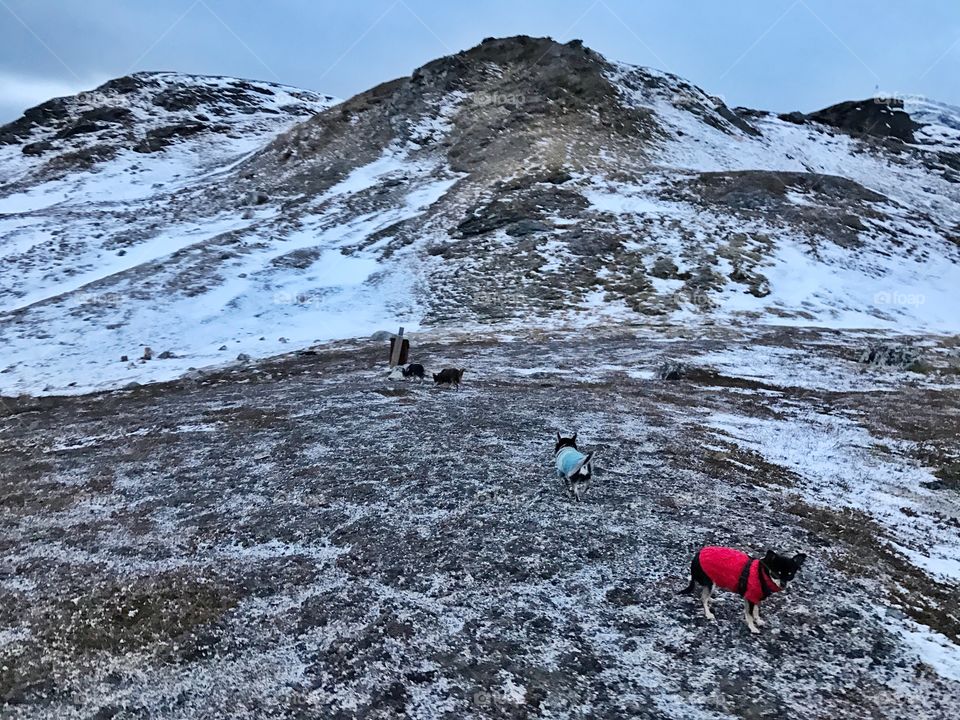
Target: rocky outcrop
<point x="149" y="112"/>
<point x="877" y="117"/>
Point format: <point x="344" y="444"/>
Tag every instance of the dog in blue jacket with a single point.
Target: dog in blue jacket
<point x="575" y="468"/>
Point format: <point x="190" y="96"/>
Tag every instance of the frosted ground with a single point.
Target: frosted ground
<point x="305" y="537"/>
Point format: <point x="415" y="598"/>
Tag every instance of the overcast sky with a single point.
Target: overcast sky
<point x="772" y="54"/>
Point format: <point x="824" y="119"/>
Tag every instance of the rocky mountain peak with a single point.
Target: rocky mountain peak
<point x="147" y="112"/>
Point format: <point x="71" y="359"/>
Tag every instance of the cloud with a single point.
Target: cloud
<point x="19" y="91"/>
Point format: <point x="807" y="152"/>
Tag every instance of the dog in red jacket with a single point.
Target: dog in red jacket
<point x="754" y="579"/>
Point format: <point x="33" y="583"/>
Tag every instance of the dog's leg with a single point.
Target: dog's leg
<point x="748" y="616"/>
<point x="705" y="599"/>
<point x="756" y="616"/>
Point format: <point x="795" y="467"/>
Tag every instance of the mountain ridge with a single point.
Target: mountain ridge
<point x="520" y="180"/>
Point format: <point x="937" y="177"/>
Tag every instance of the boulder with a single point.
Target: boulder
<point x="879" y="117"/>
<point x="257" y="197"/>
<point x="671" y="370"/>
<point x="525" y="227"/>
<point x="890" y="355"/>
<point x="664" y="268"/>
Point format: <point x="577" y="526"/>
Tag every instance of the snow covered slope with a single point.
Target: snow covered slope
<point x="522" y="181"/>
<point x="133" y="133"/>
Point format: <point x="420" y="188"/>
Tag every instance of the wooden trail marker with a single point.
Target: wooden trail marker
<point x="399" y="348"/>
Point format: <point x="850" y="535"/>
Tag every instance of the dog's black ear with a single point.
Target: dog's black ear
<point x="770" y="556"/>
<point x="558" y="436"/>
<point x="574" y="438"/>
<point x="799" y="558"/>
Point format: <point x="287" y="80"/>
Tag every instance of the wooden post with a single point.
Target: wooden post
<point x="395" y="350"/>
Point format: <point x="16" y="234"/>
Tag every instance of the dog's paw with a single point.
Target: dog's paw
<point x="760" y="621"/>
<point x="754" y="629"/>
<point x="710" y="616"/>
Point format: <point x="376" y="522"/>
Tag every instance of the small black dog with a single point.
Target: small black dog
<point x="754" y="579"/>
<point x="574" y="467"/>
<point x="414" y="370"/>
<point x="449" y="376"/>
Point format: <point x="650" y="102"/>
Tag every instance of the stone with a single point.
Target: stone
<point x="671" y="370"/>
<point x="257" y="197"/>
<point x="527" y="227"/>
<point x="664" y="268"/>
<point x="889" y="355"/>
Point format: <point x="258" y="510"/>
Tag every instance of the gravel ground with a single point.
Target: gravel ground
<point x="305" y="538"/>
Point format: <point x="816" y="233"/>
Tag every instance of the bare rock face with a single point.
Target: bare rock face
<point x="671" y="370"/>
<point x="877" y="117"/>
<point x="890" y="355"/>
<point x="150" y="112"/>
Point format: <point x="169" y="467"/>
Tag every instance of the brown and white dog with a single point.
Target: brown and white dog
<point x="752" y="578"/>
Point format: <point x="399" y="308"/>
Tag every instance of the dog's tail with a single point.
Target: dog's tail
<point x="695" y="570"/>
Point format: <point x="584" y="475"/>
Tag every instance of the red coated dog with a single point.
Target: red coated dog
<point x="754" y="579"/>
